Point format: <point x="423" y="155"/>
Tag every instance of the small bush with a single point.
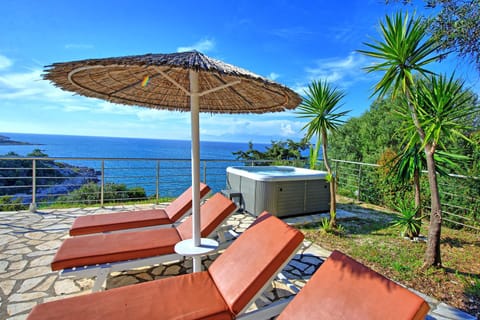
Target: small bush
<point x="407" y="219"/>
<point x="7" y="203"/>
<point x="90" y="194"/>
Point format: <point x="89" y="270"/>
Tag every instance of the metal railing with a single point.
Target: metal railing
<point x="459" y="195"/>
<point x="44" y="181"/>
<point x="40" y="182"/>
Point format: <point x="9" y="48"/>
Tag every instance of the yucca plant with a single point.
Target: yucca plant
<point x="325" y="225"/>
<point x="403" y="51"/>
<point x="407" y="219"/>
<point x="321" y="106"/>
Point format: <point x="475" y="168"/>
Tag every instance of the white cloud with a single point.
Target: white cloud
<point x="286" y="129"/>
<point x="20" y="80"/>
<point x="29" y="85"/>
<point x="248" y="127"/>
<point x="5" y="62"/>
<point x="342" y="71"/>
<point x="204" y="45"/>
<point x="273" y="76"/>
<point x="300" y="88"/>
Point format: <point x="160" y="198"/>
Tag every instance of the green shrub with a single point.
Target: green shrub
<point x="90" y="194"/>
<point x="7" y="203"/>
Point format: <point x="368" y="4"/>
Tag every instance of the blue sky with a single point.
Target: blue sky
<point x="291" y="42"/>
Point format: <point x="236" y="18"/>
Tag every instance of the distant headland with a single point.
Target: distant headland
<point x="4" y="140"/>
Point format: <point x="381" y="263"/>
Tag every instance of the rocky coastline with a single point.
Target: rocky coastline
<point x="4" y="140"/>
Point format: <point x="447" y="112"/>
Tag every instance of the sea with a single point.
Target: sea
<point x="113" y="147"/>
<point x="61" y="146"/>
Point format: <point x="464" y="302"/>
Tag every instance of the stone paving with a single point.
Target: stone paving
<point x="28" y="242"/>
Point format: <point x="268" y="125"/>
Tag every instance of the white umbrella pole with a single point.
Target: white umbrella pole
<point x="195" y="106"/>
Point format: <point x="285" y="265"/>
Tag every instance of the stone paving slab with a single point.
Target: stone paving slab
<point x="28" y="242"/>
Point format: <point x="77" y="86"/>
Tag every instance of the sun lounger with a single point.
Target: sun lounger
<point x="97" y="255"/>
<point x="225" y="291"/>
<point x="137" y="219"/>
<point x="343" y="288"/>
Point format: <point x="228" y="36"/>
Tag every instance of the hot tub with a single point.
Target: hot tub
<point x="281" y="190"/>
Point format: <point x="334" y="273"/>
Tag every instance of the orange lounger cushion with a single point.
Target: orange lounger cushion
<point x="193" y="296"/>
<point x="225" y="289"/>
<point x="118" y="221"/>
<point x="136" y="219"/>
<point x="343" y="288"/>
<point x="261" y="258"/>
<point x="113" y="247"/>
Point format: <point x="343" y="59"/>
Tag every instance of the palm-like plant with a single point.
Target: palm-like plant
<point x="407" y="167"/>
<point x="408" y="219"/>
<point x="405" y="50"/>
<point x="435" y="106"/>
<point x="447" y="118"/>
<point x="442" y="105"/>
<point x="320" y="105"/>
<point x="410" y="162"/>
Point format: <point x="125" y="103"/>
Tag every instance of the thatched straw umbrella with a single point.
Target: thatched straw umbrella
<point x="186" y="81"/>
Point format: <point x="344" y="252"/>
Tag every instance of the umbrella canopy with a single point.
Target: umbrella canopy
<point x="162" y="81"/>
<point x="186" y="81"/>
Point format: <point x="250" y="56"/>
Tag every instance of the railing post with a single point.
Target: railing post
<point x="102" y="185"/>
<point x="336" y="174"/>
<point x="359" y="181"/>
<point x="157" y="183"/>
<point x="33" y="204"/>
<point x="204" y="171"/>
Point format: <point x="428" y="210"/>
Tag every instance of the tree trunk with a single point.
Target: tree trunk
<point x="314" y="153"/>
<point x="333" y="202"/>
<point x="432" y="255"/>
<point x="333" y="199"/>
<point x="417" y="192"/>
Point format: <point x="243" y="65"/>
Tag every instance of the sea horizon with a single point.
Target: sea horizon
<point x="122" y="137"/>
<point x="65" y="145"/>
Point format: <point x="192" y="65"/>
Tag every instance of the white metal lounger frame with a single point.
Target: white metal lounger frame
<point x="101" y="271"/>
